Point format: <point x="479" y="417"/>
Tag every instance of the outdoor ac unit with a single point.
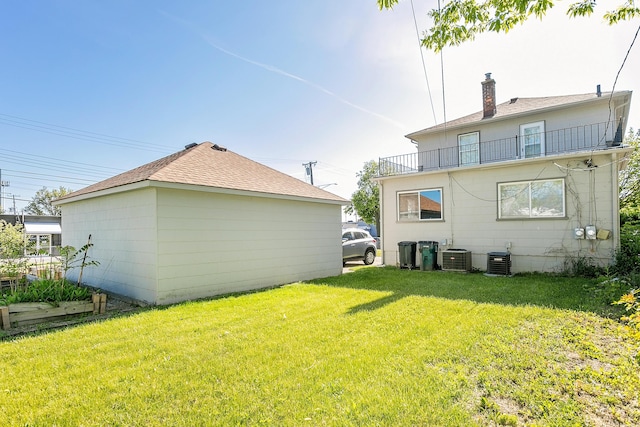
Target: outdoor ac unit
<point x="456" y="260"/>
<point x="499" y="263"/>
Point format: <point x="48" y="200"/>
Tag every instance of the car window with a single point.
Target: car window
<point x="346" y="236"/>
<point x="359" y="235"/>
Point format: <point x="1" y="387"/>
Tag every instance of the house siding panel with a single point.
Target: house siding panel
<point x="215" y="243"/>
<point x="471" y="213"/>
<point x="122" y="228"/>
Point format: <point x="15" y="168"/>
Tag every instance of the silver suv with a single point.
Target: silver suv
<point x="357" y="244"/>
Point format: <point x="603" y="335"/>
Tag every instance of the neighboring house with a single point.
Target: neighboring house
<point x="201" y="222"/>
<point x="43" y="231"/>
<point x="536" y="178"/>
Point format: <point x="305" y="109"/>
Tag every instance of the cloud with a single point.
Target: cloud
<point x="209" y="40"/>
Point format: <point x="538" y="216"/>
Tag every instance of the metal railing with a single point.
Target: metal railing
<point x="578" y="138"/>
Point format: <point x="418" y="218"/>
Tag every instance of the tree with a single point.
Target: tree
<point x="461" y="20"/>
<point x="366" y="200"/>
<point x="41" y="202"/>
<point x="630" y="176"/>
<point x="13" y="262"/>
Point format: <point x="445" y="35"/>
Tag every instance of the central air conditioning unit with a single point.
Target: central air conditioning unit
<point x="456" y="260"/>
<point x="499" y="263"/>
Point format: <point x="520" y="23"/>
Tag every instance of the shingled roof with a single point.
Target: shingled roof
<point x="518" y="106"/>
<point x="208" y="165"/>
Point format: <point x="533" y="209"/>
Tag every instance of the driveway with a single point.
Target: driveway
<point x="349" y="265"/>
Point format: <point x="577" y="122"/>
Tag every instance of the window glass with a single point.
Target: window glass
<point x="532" y="139"/>
<point x="468" y="146"/>
<point x="531" y="199"/>
<point x="422" y="205"/>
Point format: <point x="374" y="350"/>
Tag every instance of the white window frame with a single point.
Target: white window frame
<point x="523" y="195"/>
<point x="528" y="139"/>
<point x="413" y="211"/>
<point x="469" y="148"/>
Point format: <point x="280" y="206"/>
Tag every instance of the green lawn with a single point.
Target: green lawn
<point x="379" y="346"/>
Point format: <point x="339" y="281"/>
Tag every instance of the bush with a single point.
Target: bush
<point x="627" y="259"/>
<point x="630" y="215"/>
<point x="582" y="266"/>
<point x="632" y="306"/>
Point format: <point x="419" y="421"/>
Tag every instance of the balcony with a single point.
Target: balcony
<point x="580" y="138"/>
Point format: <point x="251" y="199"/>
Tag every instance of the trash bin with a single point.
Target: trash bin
<point x="407" y="252"/>
<point x="428" y="250"/>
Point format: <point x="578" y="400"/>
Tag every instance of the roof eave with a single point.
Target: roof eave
<point x="195" y="187"/>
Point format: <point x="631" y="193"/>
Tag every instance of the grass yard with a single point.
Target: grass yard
<point x="376" y="347"/>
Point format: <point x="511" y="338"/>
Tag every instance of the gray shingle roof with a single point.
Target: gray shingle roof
<point x="518" y="106"/>
<point x="202" y="165"/>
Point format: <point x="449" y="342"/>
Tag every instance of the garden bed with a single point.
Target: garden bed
<point x="29" y="313"/>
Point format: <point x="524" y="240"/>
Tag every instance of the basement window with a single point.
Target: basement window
<point x="531" y="199"/>
<point x="420" y="205"/>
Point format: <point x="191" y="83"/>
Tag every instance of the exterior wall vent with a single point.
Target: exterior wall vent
<point x="499" y="263"/>
<point x="456" y="260"/>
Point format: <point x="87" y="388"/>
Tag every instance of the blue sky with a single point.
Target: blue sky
<point x="89" y="88"/>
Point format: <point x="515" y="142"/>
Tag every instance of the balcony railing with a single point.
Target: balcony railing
<point x="579" y="138"/>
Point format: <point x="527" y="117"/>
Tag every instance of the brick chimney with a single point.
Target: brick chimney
<point x="488" y="96"/>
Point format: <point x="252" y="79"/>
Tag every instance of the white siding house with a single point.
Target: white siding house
<point x="202" y="222"/>
<point x="534" y="178"/>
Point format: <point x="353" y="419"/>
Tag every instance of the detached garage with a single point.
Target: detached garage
<point x="201" y="222"/>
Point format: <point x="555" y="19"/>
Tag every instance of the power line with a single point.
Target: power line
<point x="80" y="134"/>
<point x="424" y="66"/>
<point x="47" y="159"/>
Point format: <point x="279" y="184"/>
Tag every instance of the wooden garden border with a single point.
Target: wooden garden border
<point x="29" y="313"/>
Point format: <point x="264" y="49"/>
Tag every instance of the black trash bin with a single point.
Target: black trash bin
<point x="428" y="253"/>
<point x="407" y="254"/>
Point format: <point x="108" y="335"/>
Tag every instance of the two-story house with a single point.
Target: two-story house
<point x="533" y="178"/>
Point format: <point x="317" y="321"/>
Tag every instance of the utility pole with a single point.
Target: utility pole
<point x="309" y="168"/>
<point x="2" y="185"/>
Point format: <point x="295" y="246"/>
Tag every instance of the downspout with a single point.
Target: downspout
<point x="381" y="233"/>
<point x="615" y="189"/>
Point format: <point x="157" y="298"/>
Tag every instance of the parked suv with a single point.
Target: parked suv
<point x="358" y="244"/>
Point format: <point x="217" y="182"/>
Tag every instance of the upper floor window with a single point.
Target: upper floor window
<point x="532" y="140"/>
<point x="421" y="205"/>
<point x="531" y="199"/>
<point x="469" y="148"/>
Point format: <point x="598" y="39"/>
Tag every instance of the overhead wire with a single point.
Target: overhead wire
<point x="74" y="133"/>
<point x="615" y="82"/>
<point x="424" y="66"/>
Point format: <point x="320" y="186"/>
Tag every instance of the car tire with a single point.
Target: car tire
<point x="369" y="257"/>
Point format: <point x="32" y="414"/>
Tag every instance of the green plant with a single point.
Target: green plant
<point x="76" y="258"/>
<point x="47" y="290"/>
<point x="582" y="266"/>
<point x="13" y="262"/>
<point x="627" y="259"/>
<point x="631" y="304"/>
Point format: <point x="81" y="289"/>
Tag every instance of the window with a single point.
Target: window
<point x="531" y="199"/>
<point x="532" y="140"/>
<point x="422" y="205"/>
<point x="469" y="148"/>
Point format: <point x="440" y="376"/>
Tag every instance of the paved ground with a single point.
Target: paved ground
<point x="347" y="267"/>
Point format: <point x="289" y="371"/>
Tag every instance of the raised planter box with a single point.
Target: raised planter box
<point x="29" y="313"/>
